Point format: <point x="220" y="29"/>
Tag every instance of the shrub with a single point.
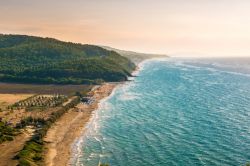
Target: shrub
<point x="104" y="165"/>
<point x="33" y="149"/>
<point x="6" y="132"/>
<point x="24" y="162"/>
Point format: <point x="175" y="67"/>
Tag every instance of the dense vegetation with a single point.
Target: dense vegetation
<point x="39" y="102"/>
<point x="7" y="133"/>
<point x="104" y="164"/>
<point x="28" y="59"/>
<point x="32" y="153"/>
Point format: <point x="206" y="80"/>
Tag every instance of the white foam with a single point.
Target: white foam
<point x="129" y="96"/>
<point x="91" y="129"/>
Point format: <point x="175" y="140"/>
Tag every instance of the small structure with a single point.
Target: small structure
<point x="85" y="99"/>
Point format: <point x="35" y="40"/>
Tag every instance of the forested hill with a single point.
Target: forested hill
<point x="28" y="59"/>
<point x="135" y="56"/>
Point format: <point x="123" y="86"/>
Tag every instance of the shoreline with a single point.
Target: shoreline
<point x="71" y="126"/>
<point x="76" y="147"/>
<point x="63" y="138"/>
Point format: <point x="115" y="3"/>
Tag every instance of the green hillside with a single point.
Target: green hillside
<point x="28" y="59"/>
<point x="135" y="56"/>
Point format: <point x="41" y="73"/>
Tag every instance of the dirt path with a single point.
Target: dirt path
<point x="11" y="148"/>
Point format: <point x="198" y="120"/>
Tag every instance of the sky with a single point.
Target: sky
<point x="174" y="27"/>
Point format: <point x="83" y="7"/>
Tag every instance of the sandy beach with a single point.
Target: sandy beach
<point x="70" y="126"/>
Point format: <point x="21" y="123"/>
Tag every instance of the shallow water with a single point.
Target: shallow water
<point x="177" y="112"/>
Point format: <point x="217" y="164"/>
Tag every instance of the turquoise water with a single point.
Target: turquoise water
<point x="176" y="112"/>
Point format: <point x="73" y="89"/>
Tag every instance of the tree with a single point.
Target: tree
<point x="104" y="165"/>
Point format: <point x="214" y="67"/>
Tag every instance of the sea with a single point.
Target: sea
<point x="175" y="112"/>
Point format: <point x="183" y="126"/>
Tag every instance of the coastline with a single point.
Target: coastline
<point x="62" y="135"/>
<point x="76" y="147"/>
<point x="79" y="141"/>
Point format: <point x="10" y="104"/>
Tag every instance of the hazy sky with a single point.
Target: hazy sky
<point x="210" y="27"/>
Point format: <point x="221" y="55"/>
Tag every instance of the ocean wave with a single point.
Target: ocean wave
<point x="129" y="96"/>
<point x="91" y="129"/>
<point x="214" y="67"/>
